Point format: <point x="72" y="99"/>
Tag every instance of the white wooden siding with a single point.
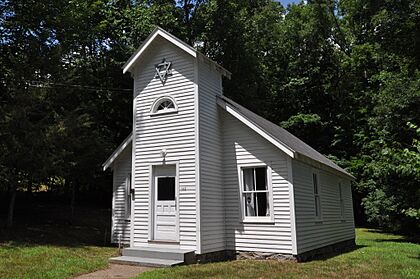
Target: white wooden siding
<point x="243" y="146"/>
<point x="120" y="225"/>
<point x="211" y="171"/>
<point x="173" y="132"/>
<point x="332" y="228"/>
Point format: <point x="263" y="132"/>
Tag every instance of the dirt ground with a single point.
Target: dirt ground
<point x="115" y="271"/>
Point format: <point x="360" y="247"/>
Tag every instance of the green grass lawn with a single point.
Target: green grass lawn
<point x="378" y="255"/>
<point x="18" y="260"/>
<point x="45" y="244"/>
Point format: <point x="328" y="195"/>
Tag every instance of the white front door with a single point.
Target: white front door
<point x="165" y="219"/>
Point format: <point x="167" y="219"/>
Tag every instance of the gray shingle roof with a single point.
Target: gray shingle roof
<point x="284" y="137"/>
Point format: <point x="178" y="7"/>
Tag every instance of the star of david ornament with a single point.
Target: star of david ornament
<point x="163" y="70"/>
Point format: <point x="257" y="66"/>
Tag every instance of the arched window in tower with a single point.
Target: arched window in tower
<point x="164" y="105"/>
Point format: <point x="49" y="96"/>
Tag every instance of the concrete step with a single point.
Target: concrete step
<point x="152" y="262"/>
<point x="164" y="253"/>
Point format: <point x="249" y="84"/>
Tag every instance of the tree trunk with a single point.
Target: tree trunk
<point x="12" y="201"/>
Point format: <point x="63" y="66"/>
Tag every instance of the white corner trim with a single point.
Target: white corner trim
<point x="151" y="223"/>
<point x="133" y="166"/>
<point x="165" y="35"/>
<point x="254" y="127"/>
<point x="197" y="156"/>
<point x="292" y="205"/>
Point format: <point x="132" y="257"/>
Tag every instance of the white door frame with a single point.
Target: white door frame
<point x="152" y="195"/>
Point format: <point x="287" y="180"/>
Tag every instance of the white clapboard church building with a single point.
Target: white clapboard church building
<point x="202" y="178"/>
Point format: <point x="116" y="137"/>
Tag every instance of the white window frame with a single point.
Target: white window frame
<point x="341" y="199"/>
<point x="158" y="101"/>
<point x="317" y="201"/>
<point x="256" y="219"/>
<point x="127" y="197"/>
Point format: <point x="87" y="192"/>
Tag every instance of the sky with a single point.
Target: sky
<point x="286" y="2"/>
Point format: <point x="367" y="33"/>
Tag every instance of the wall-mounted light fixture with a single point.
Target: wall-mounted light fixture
<point x="163" y="153"/>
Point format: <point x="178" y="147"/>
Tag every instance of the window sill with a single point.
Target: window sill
<point x="258" y="221"/>
<point x="153" y="114"/>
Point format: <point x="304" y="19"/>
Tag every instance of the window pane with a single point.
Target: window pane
<point x="317" y="206"/>
<point x="166" y="104"/>
<point x="166" y="189"/>
<point x="340" y="191"/>
<point x="260" y="178"/>
<point x="248" y="179"/>
<point x="341" y="199"/>
<point x="262" y="203"/>
<point x="315" y="182"/>
<point x="249" y="202"/>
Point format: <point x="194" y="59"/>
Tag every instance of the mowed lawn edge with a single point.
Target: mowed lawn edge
<point x="378" y="255"/>
<point x="20" y="260"/>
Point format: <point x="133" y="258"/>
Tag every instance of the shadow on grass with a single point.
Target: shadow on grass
<point x="53" y="225"/>
<point x="327" y="256"/>
<point x="416" y="258"/>
<point x="414" y="240"/>
<point x="401" y="239"/>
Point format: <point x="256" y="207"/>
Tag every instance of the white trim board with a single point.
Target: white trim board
<point x="117" y="152"/>
<point x="157" y="32"/>
<point x="292" y="205"/>
<point x="197" y="158"/>
<point x="177" y="42"/>
<point x="133" y="165"/>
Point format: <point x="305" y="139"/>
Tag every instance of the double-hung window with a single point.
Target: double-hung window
<point x="317" y="196"/>
<point x="256" y="194"/>
<point x="340" y="193"/>
<point x="127" y="193"/>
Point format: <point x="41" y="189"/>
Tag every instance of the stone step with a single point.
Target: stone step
<point x="164" y="253"/>
<point x="144" y="261"/>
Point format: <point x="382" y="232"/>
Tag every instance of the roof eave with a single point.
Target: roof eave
<point x="157" y="32"/>
<point x="292" y="153"/>
<point x="238" y="115"/>
<point x="340" y="172"/>
<point x="217" y="67"/>
<point x="171" y="38"/>
<point x="111" y="159"/>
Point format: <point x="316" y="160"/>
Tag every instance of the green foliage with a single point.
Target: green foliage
<point x="342" y="75"/>
<point x="393" y="198"/>
<point x="308" y="127"/>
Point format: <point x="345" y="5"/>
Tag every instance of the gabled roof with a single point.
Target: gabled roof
<point x="177" y="42"/>
<point x="288" y="143"/>
<point x="118" y="151"/>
